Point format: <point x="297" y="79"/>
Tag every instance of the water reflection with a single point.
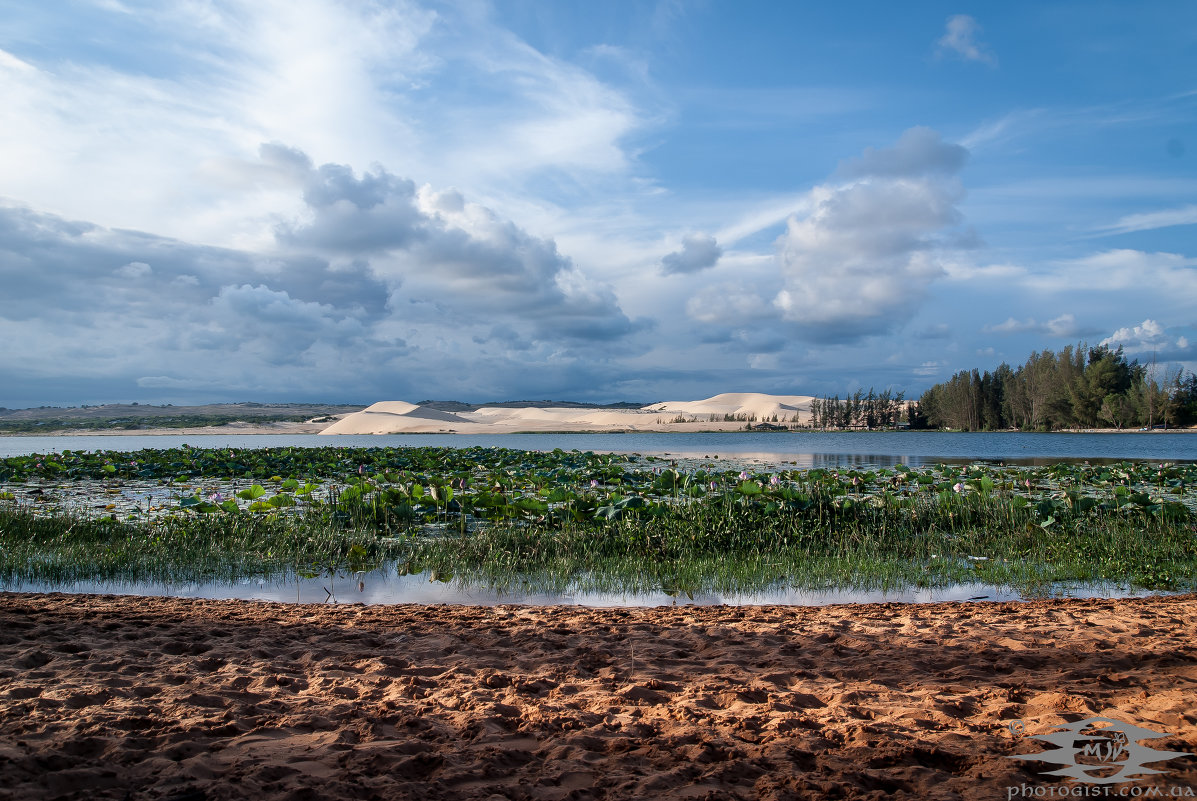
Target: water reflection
<point x="806" y="448"/>
<point x="386" y="586"/>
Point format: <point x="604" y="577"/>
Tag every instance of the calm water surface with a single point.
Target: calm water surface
<point x="385" y="586"/>
<point x="804" y="449"/>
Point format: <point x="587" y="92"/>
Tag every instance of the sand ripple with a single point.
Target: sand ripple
<point x="161" y="698"/>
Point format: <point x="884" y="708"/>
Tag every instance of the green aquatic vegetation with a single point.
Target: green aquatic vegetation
<point x="504" y="513"/>
<point x="63" y="547"/>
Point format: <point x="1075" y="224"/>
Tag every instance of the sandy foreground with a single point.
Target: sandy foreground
<point x="161" y="698"/>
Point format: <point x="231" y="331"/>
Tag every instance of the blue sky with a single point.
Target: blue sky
<point x="353" y="201"/>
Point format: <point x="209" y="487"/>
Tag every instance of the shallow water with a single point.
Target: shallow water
<point x="386" y="586"/>
<point x="796" y="448"/>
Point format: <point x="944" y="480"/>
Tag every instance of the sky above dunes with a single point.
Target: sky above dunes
<point x="521" y="199"/>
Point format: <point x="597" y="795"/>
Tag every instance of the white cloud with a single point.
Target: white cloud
<point x="1169" y="276"/>
<point x="445" y="96"/>
<point x="1147" y="335"/>
<point x="861" y="261"/>
<point x="960" y="37"/>
<point x="1149" y="221"/>
<point x="1063" y="326"/>
<point x="959" y="270"/>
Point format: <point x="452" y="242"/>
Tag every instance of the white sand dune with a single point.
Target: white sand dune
<point x="741" y="403"/>
<point x="399" y="417"/>
<point x="392" y="407"/>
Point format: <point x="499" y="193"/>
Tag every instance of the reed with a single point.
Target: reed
<point x="501" y="517"/>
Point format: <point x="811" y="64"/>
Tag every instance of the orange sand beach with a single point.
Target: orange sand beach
<point x="161" y="698"/>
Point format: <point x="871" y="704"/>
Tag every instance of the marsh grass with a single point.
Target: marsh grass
<point x="63" y="546"/>
<point x="582" y="521"/>
<point x="706" y="547"/>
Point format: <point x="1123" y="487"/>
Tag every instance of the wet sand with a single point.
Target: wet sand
<point x="161" y="698"/>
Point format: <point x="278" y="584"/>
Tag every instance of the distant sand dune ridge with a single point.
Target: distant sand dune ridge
<point x="399" y="417"/>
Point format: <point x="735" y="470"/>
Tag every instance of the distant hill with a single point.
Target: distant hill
<point x="133" y="416"/>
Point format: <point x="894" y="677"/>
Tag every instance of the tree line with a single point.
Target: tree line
<point x="858" y="410"/>
<point x="1079" y="387"/>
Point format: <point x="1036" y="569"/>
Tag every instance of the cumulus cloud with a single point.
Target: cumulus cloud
<point x="465" y="259"/>
<point x="1147" y="335"/>
<point x="197" y="309"/>
<point x="960" y="38"/>
<point x="354" y="216"/>
<point x="1150" y="340"/>
<point x="376" y="277"/>
<point x="861" y="260"/>
<point x="699" y="252"/>
<point x="282" y="327"/>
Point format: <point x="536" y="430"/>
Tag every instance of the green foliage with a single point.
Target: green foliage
<point x="1079" y="387"/>
<point x="489" y="511"/>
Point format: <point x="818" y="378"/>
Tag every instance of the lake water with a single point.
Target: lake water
<point x="803" y="449"/>
<point x="385" y="586"/>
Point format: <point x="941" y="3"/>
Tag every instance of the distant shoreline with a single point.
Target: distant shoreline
<point x="228" y="428"/>
<point x="284" y="428"/>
